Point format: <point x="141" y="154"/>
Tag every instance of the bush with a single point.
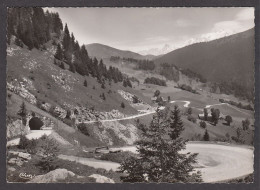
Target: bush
<point x="157" y="93"/>
<point x="85" y="83"/>
<point x="83" y="129"/>
<point x="118" y="157"/>
<point x="122" y="105"/>
<point x="49" y="151"/>
<point x="203" y="124"/>
<point x="245" y="124"/>
<point x="155" y="81"/>
<point x="206" y="136"/>
<point x="191" y="118"/>
<point x="18" y="42"/>
<point x="189" y="111"/>
<point x="135" y="99"/>
<point x="228" y="119"/>
<point x="28" y="145"/>
<point x="62" y="66"/>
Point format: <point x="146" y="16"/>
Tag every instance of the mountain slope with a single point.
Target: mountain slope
<point x="227" y="59"/>
<point x="104" y="51"/>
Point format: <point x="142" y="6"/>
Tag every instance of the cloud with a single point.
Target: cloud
<point x="246" y="14"/>
<point x="227" y="26"/>
<point x="184" y="23"/>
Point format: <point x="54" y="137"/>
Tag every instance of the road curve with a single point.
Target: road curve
<point x="219" y="162"/>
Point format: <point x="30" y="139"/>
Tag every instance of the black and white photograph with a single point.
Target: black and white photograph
<point x="130" y="95"/>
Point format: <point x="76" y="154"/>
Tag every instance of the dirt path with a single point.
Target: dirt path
<point x="107" y="165"/>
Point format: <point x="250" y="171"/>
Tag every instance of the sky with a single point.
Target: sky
<point x="139" y="29"/>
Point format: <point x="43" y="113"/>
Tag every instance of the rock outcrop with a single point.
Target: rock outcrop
<point x="101" y="179"/>
<point x="53" y="176"/>
<point x="16" y="128"/>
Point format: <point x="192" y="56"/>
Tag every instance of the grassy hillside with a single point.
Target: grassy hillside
<point x="50" y="83"/>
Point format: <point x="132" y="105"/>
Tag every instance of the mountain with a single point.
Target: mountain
<point x="158" y="51"/>
<point x="103" y="51"/>
<point x="226" y="59"/>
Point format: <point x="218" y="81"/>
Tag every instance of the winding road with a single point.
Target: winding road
<point x="217" y="162"/>
<point x="38" y="133"/>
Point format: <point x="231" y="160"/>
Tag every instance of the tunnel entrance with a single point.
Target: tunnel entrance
<point x="35" y="123"/>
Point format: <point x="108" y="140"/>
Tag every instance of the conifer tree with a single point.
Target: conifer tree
<point x="58" y="54"/>
<point x="23" y="112"/>
<point x="206" y="136"/>
<point x="66" y="38"/>
<point x="85" y="83"/>
<point x="159" y="158"/>
<point x="205" y="114"/>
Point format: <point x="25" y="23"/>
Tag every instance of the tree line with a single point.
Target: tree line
<point x="142" y="64"/>
<point x="156" y="81"/>
<point x="32" y="25"/>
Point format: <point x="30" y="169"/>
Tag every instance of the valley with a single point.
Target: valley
<point x="77" y="109"/>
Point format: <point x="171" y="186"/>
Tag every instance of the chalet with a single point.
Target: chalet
<point x="202" y="117"/>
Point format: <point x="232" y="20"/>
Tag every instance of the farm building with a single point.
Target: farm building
<point x="202" y="116"/>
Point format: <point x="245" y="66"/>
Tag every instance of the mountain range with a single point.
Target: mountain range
<point x="101" y="51"/>
<point x="226" y="59"/>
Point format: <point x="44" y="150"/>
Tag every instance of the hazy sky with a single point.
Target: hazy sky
<point x="138" y="29"/>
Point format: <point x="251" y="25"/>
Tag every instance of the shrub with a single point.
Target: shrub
<point x="68" y="122"/>
<point x="18" y="42"/>
<point x="122" y="105"/>
<point x="85" y="83"/>
<point x="157" y="93"/>
<point x="245" y="124"/>
<point x="203" y="124"/>
<point x="228" y="119"/>
<point x="83" y="129"/>
<point x="189" y="111"/>
<point x="191" y="118"/>
<point x="23" y="112"/>
<point x="62" y="66"/>
<point x="155" y="81"/>
<point x="118" y="157"/>
<point x="28" y="145"/>
<point x="206" y="136"/>
<point x="135" y="99"/>
<point x="49" y="151"/>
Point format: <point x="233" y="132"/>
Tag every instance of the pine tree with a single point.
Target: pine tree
<point x="124" y="83"/>
<point x="206" y="136"/>
<point x="103" y="85"/>
<point x="62" y="66"/>
<point x="72" y="68"/>
<point x="85" y="83"/>
<point x="66" y="38"/>
<point x="23" y="112"/>
<point x="205" y="114"/>
<point x="159" y="158"/>
<point x="58" y="54"/>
